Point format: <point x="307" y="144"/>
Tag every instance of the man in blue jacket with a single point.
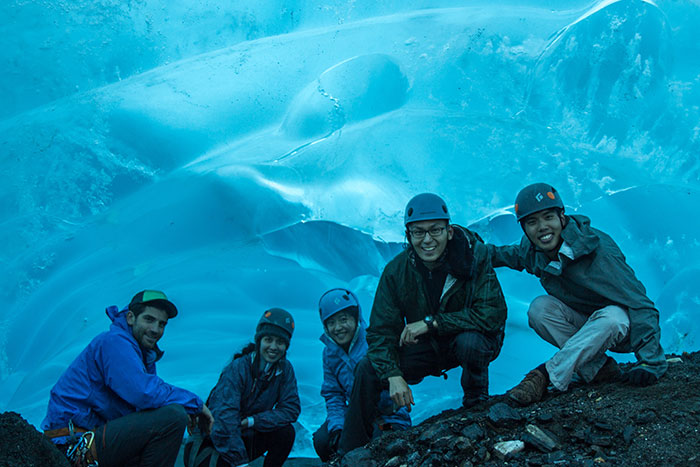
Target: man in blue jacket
<point x="110" y="404"/>
<point x="345" y="341"/>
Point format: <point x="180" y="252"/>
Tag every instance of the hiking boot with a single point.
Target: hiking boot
<point x="530" y="389"/>
<point x="608" y="373"/>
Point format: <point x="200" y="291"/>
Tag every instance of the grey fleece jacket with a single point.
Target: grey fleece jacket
<point x="597" y="277"/>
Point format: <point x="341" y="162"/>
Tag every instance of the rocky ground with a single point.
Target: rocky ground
<point x="22" y="445"/>
<point x="607" y="424"/>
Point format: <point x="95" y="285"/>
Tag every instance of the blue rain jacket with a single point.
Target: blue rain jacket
<point x="240" y="393"/>
<point x="111" y="378"/>
<point x="338" y="378"/>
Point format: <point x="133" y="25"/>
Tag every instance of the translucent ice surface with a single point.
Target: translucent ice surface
<point x="253" y="155"/>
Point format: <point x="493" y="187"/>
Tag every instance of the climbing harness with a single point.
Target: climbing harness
<point x="80" y="448"/>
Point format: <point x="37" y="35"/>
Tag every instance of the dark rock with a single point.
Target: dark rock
<point x="566" y="413"/>
<point x="360" y="457"/>
<point x="645" y="417"/>
<point x="508" y="449"/>
<point x="556" y="457"/>
<point x="536" y="437"/>
<point x="694" y="407"/>
<point x="501" y="414"/>
<point x="604" y="426"/>
<point x="445" y="443"/>
<point x="434" y="432"/>
<point x="579" y="434"/>
<point x="620" y="425"/>
<point x="21" y="444"/>
<point x="483" y="454"/>
<point x="599" y="439"/>
<point x="473" y="432"/>
<point x="413" y="458"/>
<point x="398" y="447"/>
<point x="463" y="444"/>
<point x="598" y="452"/>
<point x="433" y="460"/>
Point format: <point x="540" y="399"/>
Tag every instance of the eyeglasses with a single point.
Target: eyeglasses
<point x="420" y="233"/>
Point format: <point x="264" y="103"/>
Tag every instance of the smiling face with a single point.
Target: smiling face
<point x="272" y="348"/>
<point x="148" y="327"/>
<point x="341" y="327"/>
<point x="543" y="228"/>
<point x="429" y="239"/>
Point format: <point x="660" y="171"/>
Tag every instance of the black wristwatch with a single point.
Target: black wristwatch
<point x="430" y="321"/>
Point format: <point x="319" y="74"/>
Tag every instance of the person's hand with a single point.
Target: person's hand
<point x="244" y="422"/>
<point x="400" y="393"/>
<point x="640" y="376"/>
<point x="410" y="333"/>
<point x="206" y="420"/>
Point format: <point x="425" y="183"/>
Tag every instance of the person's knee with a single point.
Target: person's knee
<point x="321" y="441"/>
<point x="614" y="319"/>
<point x="174" y="415"/>
<point x="364" y="371"/>
<point x="473" y="349"/>
<point x="288" y="434"/>
<point x="540" y="308"/>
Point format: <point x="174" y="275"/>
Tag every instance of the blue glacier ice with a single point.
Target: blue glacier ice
<point x="253" y="155"/>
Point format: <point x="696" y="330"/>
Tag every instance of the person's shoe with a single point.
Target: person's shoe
<point x="530" y="389"/>
<point x="608" y="373"/>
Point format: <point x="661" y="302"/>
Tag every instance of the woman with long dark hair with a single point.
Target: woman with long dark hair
<point x="254" y="403"/>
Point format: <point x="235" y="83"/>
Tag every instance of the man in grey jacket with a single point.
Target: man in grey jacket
<point x="595" y="302"/>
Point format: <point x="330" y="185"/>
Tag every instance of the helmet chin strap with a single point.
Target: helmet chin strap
<point x="563" y="220"/>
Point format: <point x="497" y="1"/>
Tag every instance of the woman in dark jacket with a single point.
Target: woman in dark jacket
<point x="254" y="403"/>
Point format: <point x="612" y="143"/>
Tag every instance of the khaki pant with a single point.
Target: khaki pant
<point x="582" y="340"/>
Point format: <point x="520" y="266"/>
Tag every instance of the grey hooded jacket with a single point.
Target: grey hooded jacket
<point x="596" y="277"/>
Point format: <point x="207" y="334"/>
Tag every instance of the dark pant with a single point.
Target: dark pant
<point x="149" y="438"/>
<point x="278" y="444"/>
<point x="323" y="444"/>
<point x="471" y="350"/>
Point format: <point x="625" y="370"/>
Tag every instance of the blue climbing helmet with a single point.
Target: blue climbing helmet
<point x="537" y="197"/>
<point x="337" y="300"/>
<point x="424" y="207"/>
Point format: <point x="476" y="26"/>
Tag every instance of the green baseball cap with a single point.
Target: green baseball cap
<point x="154" y="298"/>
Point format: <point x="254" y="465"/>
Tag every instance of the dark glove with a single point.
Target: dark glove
<point x="640" y="376"/>
<point x="334" y="438"/>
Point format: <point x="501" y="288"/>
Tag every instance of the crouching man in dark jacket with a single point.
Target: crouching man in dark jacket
<point x="595" y="302"/>
<point x="110" y="404"/>
<point x="438" y="305"/>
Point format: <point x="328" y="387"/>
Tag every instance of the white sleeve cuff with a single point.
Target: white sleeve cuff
<point x="251" y="421"/>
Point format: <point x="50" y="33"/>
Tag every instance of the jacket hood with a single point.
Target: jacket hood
<point x="118" y="318"/>
<point x="579" y="235"/>
<point x="360" y="334"/>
